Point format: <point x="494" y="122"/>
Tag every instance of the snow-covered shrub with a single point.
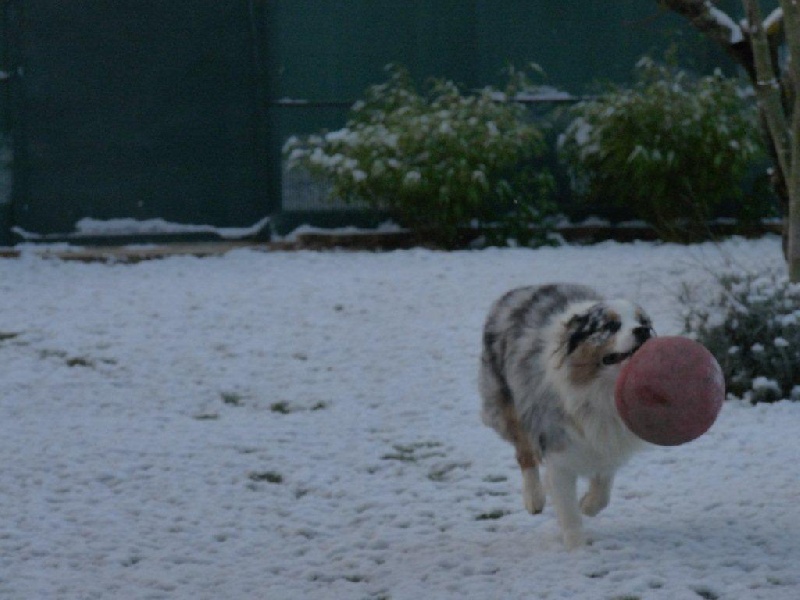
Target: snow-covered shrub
<point x="751" y="324"/>
<point x="670" y="148"/>
<point x="437" y="160"/>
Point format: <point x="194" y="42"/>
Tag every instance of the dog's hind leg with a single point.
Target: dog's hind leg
<point x="532" y="489"/>
<point x="499" y="413"/>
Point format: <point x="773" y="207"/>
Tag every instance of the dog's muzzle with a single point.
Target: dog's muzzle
<point x="642" y="334"/>
<point x="617" y="357"/>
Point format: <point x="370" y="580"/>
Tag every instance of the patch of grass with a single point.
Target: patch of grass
<point x="416" y="446"/>
<point x="495" y="478"/>
<point x="491" y="493"/>
<point x="492" y="515"/>
<point x="284" y="408"/>
<point x="440" y="473"/>
<point x="232" y="398"/>
<point x="597" y="574"/>
<point x="79" y="361"/>
<point x="280" y="408"/>
<point x="206" y="417"/>
<point x="71" y="361"/>
<point x="409" y="452"/>
<point x="265" y="476"/>
<point x="400" y="456"/>
<point x="132" y="561"/>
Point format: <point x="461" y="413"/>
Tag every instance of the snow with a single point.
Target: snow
<point x="412" y="178"/>
<point x="724" y="20"/>
<point x="138" y="227"/>
<point x="764" y="383"/>
<point x="384" y="227"/>
<point x="534" y="94"/>
<point x="286" y="101"/>
<point x="544" y="93"/>
<point x="305" y="425"/>
<point x="773" y="19"/>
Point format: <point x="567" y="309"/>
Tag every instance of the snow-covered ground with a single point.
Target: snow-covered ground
<point x="305" y="426"/>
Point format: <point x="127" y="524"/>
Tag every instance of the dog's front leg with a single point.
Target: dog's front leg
<point x="598" y="495"/>
<point x="563" y="486"/>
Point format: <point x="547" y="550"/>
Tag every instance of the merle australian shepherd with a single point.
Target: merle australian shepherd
<point x="551" y="356"/>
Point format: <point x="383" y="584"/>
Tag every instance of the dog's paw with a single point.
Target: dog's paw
<point x="534" y="504"/>
<point x="532" y="492"/>
<point x="593" y="502"/>
<point x="574" y="539"/>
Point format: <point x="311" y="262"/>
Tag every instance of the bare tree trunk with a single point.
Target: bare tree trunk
<point x="754" y="49"/>
<point x="767" y="87"/>
<point x="782" y="116"/>
<point x="791" y="18"/>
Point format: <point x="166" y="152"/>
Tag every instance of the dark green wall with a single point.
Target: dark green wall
<point x="7" y="61"/>
<point x="330" y="50"/>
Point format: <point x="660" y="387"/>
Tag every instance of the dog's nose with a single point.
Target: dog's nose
<point x="642" y="334"/>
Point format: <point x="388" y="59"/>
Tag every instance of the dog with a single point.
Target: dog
<point x="550" y="360"/>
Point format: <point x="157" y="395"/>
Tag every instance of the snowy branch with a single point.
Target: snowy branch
<point x="718" y="26"/>
<point x="708" y="19"/>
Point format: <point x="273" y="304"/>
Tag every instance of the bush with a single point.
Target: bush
<point x="751" y="324"/>
<point x="671" y="148"/>
<point x="438" y="161"/>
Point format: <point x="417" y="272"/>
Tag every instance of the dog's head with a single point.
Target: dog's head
<point x="598" y="337"/>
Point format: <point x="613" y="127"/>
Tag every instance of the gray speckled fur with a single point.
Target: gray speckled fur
<point x="512" y="363"/>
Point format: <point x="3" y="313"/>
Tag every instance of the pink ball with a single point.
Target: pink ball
<point x="670" y="391"/>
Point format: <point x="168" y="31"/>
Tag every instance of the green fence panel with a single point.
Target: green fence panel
<point x="7" y="76"/>
<point x="140" y="110"/>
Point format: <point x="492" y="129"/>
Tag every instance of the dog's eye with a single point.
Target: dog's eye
<point x="613" y="326"/>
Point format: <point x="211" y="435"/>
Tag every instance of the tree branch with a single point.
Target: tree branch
<point x="718" y="26"/>
<point x="791" y="18"/>
<point x="767" y="87"/>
